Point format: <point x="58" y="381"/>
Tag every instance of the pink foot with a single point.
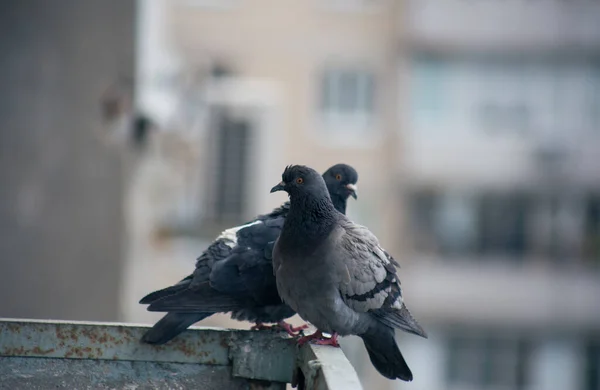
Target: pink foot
<point x="319" y="339"/>
<point x="282" y="325"/>
<point x="291" y="330"/>
<point x="333" y="341"/>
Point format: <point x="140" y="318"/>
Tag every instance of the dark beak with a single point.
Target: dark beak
<point x="353" y="190"/>
<point x="278" y="187"/>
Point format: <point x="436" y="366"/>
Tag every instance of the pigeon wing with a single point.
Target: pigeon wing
<point x="369" y="280"/>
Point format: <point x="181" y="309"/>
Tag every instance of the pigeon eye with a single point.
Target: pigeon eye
<point x="299" y="180"/>
<point x="338" y="177"/>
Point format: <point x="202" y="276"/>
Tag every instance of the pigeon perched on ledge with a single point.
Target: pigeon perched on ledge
<point x="235" y="273"/>
<point x="335" y="275"/>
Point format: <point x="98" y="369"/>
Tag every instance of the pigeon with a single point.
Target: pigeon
<point x="234" y="274"/>
<point x="335" y="275"/>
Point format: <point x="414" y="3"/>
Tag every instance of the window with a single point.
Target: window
<point x="423" y="208"/>
<point x="347" y="97"/>
<point x="455" y="224"/>
<point x="592" y="366"/>
<point x="593" y="101"/>
<point x="502" y="99"/>
<point x="429" y="88"/>
<point x="232" y="139"/>
<point x="592" y="229"/>
<point x="510" y="116"/>
<point x="502" y="224"/>
<point x="443" y="223"/>
<point x="509" y="95"/>
<point x="505" y="225"/>
<point x="487" y="361"/>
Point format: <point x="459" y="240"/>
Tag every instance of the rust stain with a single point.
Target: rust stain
<point x="59" y="334"/>
<point x="38" y="351"/>
<point x="14" y="328"/>
<point x="186" y="349"/>
<point x="80" y="352"/>
<point x="14" y="352"/>
<point x="224" y="343"/>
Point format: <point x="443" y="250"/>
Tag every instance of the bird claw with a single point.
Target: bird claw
<point x="328" y="341"/>
<point x="292" y="330"/>
<point x="282" y="326"/>
<point x="318" y="339"/>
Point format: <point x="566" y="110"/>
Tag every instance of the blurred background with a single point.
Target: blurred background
<point x="132" y="133"/>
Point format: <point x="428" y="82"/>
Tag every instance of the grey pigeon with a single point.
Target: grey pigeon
<point x="235" y="273"/>
<point x="335" y="274"/>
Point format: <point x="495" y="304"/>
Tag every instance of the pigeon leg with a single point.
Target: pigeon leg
<point x="260" y="326"/>
<point x="291" y="330"/>
<point x="319" y="339"/>
<point x="333" y="341"/>
<point x="282" y="326"/>
<point x="317" y="335"/>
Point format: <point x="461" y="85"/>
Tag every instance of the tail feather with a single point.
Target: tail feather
<point x="153" y="296"/>
<point x="400" y="319"/>
<point x="171" y="325"/>
<point x="385" y="354"/>
<point x="196" y="301"/>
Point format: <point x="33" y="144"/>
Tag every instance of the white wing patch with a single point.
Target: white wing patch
<point x="229" y="236"/>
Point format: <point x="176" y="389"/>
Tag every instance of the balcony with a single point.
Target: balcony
<point x="44" y="354"/>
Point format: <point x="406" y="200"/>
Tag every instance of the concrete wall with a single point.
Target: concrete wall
<point x="61" y="217"/>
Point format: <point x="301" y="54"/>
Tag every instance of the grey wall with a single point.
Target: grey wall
<point x="61" y="188"/>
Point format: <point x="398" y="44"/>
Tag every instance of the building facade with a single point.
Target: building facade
<point x="501" y="185"/>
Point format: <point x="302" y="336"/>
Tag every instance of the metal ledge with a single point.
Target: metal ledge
<point x="54" y="354"/>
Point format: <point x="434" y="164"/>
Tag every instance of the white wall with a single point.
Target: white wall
<point x="507" y="23"/>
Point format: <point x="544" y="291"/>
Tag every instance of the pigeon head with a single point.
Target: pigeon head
<point x="341" y="181"/>
<point x="300" y="180"/>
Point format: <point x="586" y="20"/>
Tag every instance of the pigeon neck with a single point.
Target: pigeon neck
<point x="310" y="217"/>
<point x="339" y="202"/>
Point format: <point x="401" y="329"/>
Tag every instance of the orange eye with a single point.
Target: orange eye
<point x="299" y="180"/>
<point x="338" y="177"/>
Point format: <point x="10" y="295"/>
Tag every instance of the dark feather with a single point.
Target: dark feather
<point x="166" y="291"/>
<point x="385" y="354"/>
<point x="196" y="301"/>
<point x="170" y="326"/>
<point x="401" y="319"/>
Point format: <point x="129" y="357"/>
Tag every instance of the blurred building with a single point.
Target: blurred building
<point x="501" y="126"/>
<point x="475" y="130"/>
<point x="281" y="82"/>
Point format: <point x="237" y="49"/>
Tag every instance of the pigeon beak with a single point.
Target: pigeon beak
<point x="278" y="187"/>
<point x="353" y="190"/>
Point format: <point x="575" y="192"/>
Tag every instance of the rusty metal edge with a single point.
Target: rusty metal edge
<point x="117" y="341"/>
<point x="252" y="355"/>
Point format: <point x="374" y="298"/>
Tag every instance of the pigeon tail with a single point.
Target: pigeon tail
<point x="202" y="300"/>
<point x="156" y="295"/>
<point x="385" y="354"/>
<point x="170" y="326"/>
<point x="400" y="319"/>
